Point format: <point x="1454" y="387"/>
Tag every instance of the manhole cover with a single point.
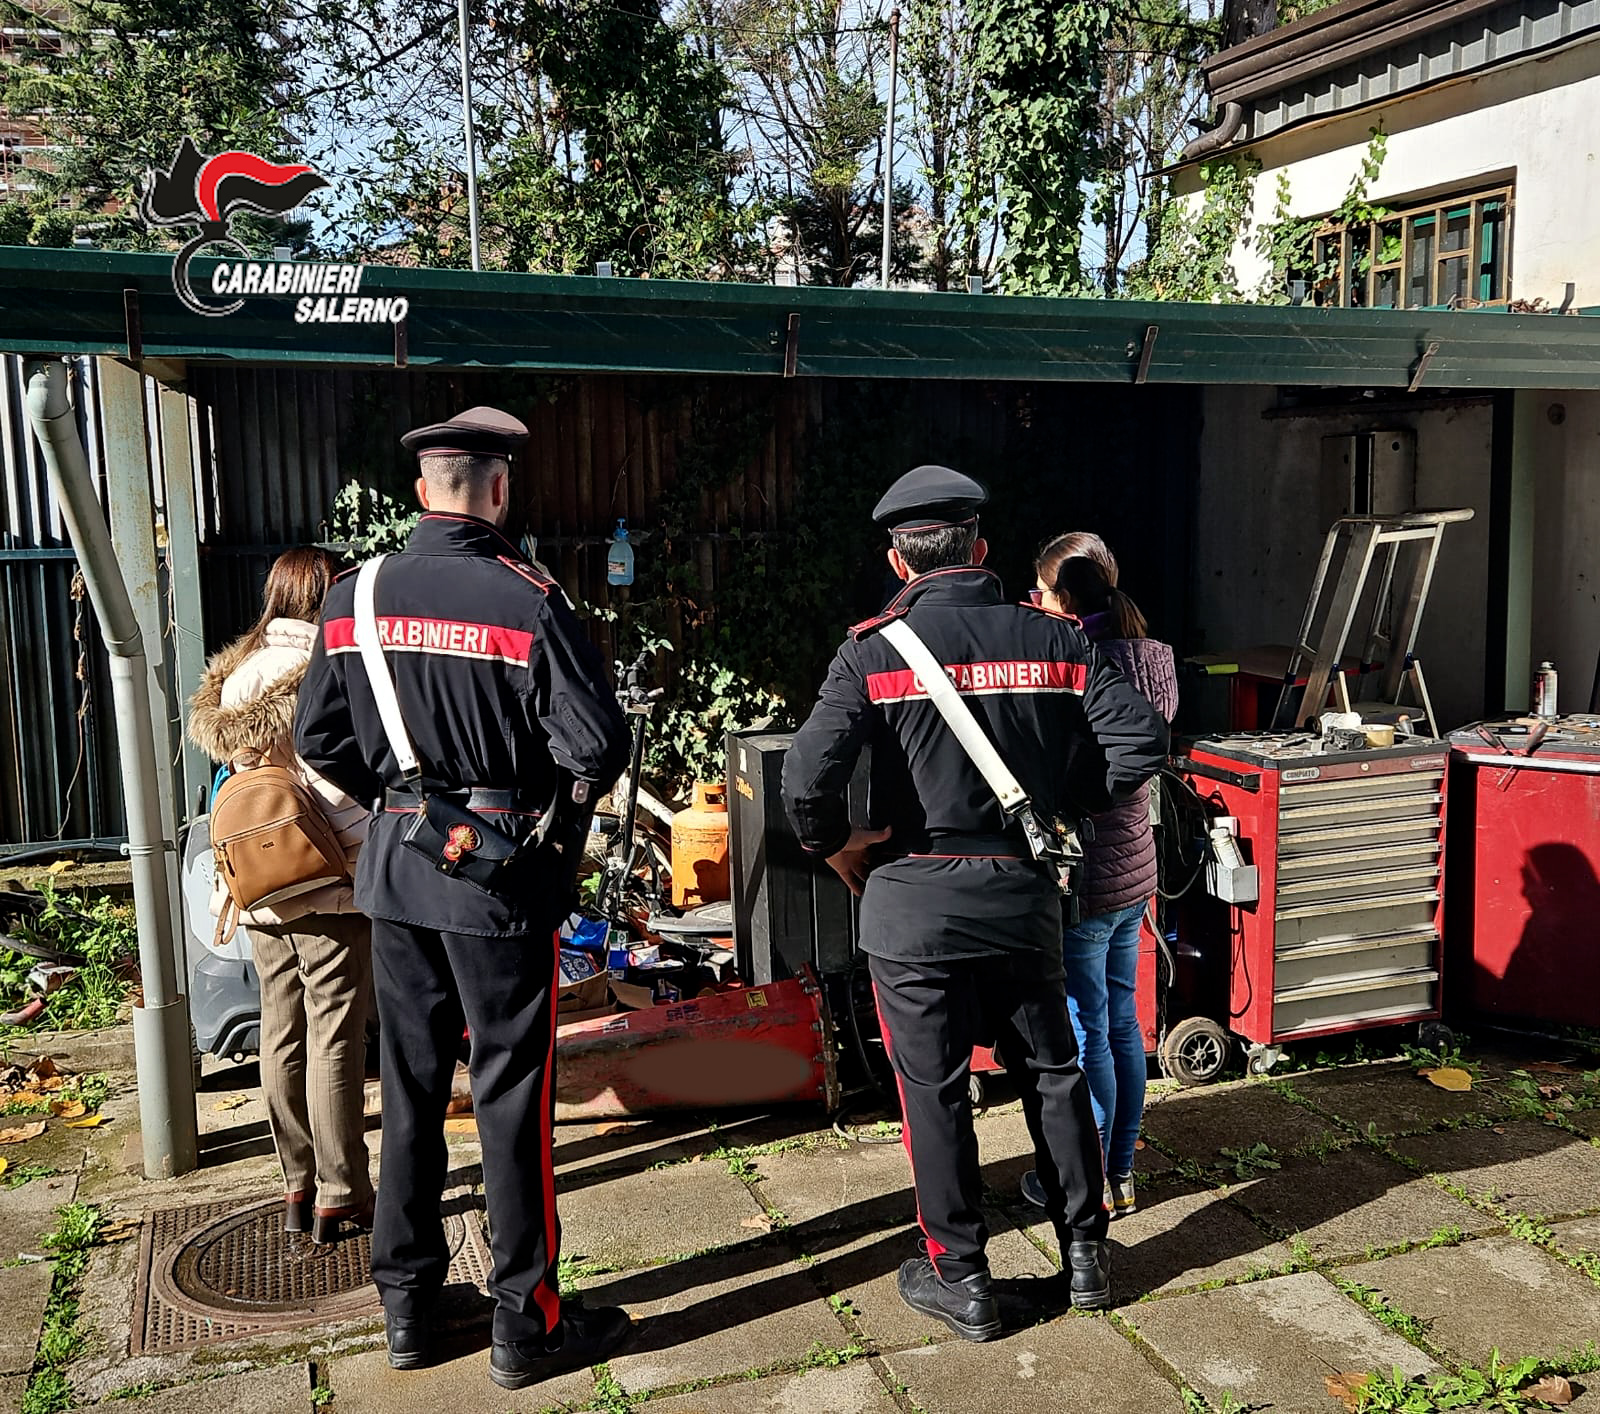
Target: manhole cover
<point x="218" y="1272"/>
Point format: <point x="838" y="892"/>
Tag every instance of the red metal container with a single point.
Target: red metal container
<point x="1349" y="852"/>
<point x="763" y="1045"/>
<point x="1525" y="875"/>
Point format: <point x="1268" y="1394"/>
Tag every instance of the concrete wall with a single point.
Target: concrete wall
<point x="1266" y="501"/>
<point x="1537" y="122"/>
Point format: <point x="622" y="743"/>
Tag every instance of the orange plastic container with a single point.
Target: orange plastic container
<point x="700" y="848"/>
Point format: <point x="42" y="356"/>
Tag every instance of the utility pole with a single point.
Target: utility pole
<point x="472" y="143"/>
<point x="888" y="144"/>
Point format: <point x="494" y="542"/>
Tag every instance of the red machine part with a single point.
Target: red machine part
<point x="770" y="1044"/>
<point x="1525" y="889"/>
<point x="1350" y="858"/>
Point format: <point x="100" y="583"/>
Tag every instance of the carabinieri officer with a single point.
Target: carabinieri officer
<point x="508" y="712"/>
<point x="961" y="925"/>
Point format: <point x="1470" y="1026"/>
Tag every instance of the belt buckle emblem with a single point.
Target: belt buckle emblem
<point x="462" y="839"/>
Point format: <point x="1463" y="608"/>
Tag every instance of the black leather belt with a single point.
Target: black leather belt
<point x="975" y="847"/>
<point x="479" y="798"/>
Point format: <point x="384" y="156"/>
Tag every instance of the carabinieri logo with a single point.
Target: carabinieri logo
<point x="209" y="192"/>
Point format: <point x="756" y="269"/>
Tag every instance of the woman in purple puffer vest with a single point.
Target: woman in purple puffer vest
<point x="1077" y="574"/>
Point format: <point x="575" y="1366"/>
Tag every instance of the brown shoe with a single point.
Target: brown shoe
<point x="327" y="1224"/>
<point x="297" y="1210"/>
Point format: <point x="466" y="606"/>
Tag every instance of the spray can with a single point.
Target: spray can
<point x="1544" y="690"/>
<point x="619" y="558"/>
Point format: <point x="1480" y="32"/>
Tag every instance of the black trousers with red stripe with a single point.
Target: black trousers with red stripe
<point x="933" y="1013"/>
<point x="428" y="983"/>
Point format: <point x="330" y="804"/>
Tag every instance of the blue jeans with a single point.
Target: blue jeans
<point x="1102" y="960"/>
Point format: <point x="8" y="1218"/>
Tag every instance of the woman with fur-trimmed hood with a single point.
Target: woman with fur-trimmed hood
<point x="313" y="951"/>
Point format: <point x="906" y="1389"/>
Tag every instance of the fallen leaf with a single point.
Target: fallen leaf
<point x="1346" y="1388"/>
<point x="87" y="1122"/>
<point x="1449" y="1077"/>
<point x="1552" y="1389"/>
<point x="24" y="1097"/>
<point x="1138" y="1143"/>
<point x="231" y="1103"/>
<point x="59" y="867"/>
<point x="1497" y="1129"/>
<point x="467" y="1124"/>
<point x="617" y="1127"/>
<point x="1551" y="1092"/>
<point x="43" y="1068"/>
<point x="760" y="1223"/>
<point x="22" y="1132"/>
<point x="1559" y="1067"/>
<point x="4" y="1166"/>
<point x="120" y="1231"/>
<point x="51" y="1085"/>
<point x="68" y="1109"/>
<point x="1550" y="1116"/>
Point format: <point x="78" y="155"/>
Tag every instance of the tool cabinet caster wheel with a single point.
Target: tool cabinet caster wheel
<point x="1435" y="1036"/>
<point x="976" y="1092"/>
<point x="1195" y="1051"/>
<point x="1259" y="1060"/>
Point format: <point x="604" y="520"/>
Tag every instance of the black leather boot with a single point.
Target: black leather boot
<point x="410" y="1342"/>
<point x="968" y="1306"/>
<point x="1090" y="1266"/>
<point x="585" y="1338"/>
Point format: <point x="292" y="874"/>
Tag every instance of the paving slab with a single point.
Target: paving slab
<point x="1354" y="1201"/>
<point x="12" y="1388"/>
<point x="1531" y="1167"/>
<point x="23" y="1293"/>
<point x="280" y="1388"/>
<point x="720" y="1314"/>
<point x="1270" y="1342"/>
<point x="1498" y="1294"/>
<point x="28" y="1212"/>
<point x="1067" y="1364"/>
<point x="364" y="1384"/>
<point x="638" y="1218"/>
<point x="864" y="1272"/>
<point x="1201" y="1123"/>
<point x="865" y="1186"/>
<point x="1392" y="1096"/>
<point x="1578" y="1236"/>
<point x="1189" y="1237"/>
<point x="851" y="1389"/>
<point x="586" y="1151"/>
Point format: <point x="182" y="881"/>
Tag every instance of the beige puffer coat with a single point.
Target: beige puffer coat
<point x="243" y="713"/>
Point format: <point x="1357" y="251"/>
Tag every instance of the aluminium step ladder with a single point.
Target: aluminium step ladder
<point x="1356" y="543"/>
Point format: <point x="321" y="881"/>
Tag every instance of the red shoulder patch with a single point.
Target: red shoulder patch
<point x="345" y="574"/>
<point x="1072" y="619"/>
<point x="866" y="626"/>
<point x="528" y="572"/>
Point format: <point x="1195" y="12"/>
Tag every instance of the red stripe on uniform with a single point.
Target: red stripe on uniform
<point x="547" y="1295"/>
<point x="983" y="679"/>
<point x="454" y="638"/>
<point x="936" y="1249"/>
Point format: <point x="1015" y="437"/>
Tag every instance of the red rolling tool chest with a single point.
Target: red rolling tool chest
<point x="1344" y="930"/>
<point x="1524" y="929"/>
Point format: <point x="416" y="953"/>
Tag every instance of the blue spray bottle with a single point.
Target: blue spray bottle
<point x="619" y="559"/>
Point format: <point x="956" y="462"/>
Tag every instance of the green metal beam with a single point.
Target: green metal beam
<point x="79" y="301"/>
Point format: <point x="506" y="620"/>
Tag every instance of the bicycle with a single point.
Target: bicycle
<point x="621" y="891"/>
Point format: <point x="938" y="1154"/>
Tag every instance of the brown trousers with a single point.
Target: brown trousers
<point x="316" y="995"/>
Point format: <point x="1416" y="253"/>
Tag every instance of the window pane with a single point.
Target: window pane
<point x="1325" y="277"/>
<point x="1391" y="245"/>
<point x="1419" y="268"/>
<point x="1457" y="229"/>
<point x="1387" y="294"/>
<point x="1453" y="280"/>
<point x="1359" y="267"/>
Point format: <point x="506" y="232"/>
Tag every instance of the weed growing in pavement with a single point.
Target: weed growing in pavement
<point x="1444" y="1237"/>
<point x="571" y="1268"/>
<point x="321" y="1395"/>
<point x="609" y="1396"/>
<point x="26" y="1173"/>
<point x="1377" y="1306"/>
<point x="60" y="1341"/>
<point x="830" y="1357"/>
<point x="143" y="1390"/>
<point x="1501" y="1388"/>
<point x="89" y="1090"/>
<point x="740" y="1167"/>
<point x="1532" y="1229"/>
<point x="1255" y="1159"/>
<point x="100" y="930"/>
<point x="842" y="1306"/>
<point x="1193" y="1401"/>
<point x="1448" y="1057"/>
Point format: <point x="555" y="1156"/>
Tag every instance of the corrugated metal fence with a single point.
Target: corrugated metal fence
<point x="272" y="447"/>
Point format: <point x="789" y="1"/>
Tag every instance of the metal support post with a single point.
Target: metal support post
<point x="463" y="20"/>
<point x="163" y="1053"/>
<point x="888" y="144"/>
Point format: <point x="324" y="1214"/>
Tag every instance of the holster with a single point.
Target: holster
<point x="461" y="844"/>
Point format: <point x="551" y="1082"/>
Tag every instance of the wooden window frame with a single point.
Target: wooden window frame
<point x="1482" y="267"/>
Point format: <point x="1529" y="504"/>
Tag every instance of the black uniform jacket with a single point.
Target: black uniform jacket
<point x="952" y="882"/>
<point x="498" y="684"/>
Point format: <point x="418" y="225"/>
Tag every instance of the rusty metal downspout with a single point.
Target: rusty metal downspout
<point x="162" y="1051"/>
<point x="1219" y="137"/>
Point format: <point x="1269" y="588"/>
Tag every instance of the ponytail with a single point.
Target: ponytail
<point x="1126" y="619"/>
<point x="1082" y="566"/>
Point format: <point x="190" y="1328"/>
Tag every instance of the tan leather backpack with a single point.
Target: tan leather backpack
<point x="271" y="841"/>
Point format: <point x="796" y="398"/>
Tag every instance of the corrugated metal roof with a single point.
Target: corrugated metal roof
<point x="78" y="301"/>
